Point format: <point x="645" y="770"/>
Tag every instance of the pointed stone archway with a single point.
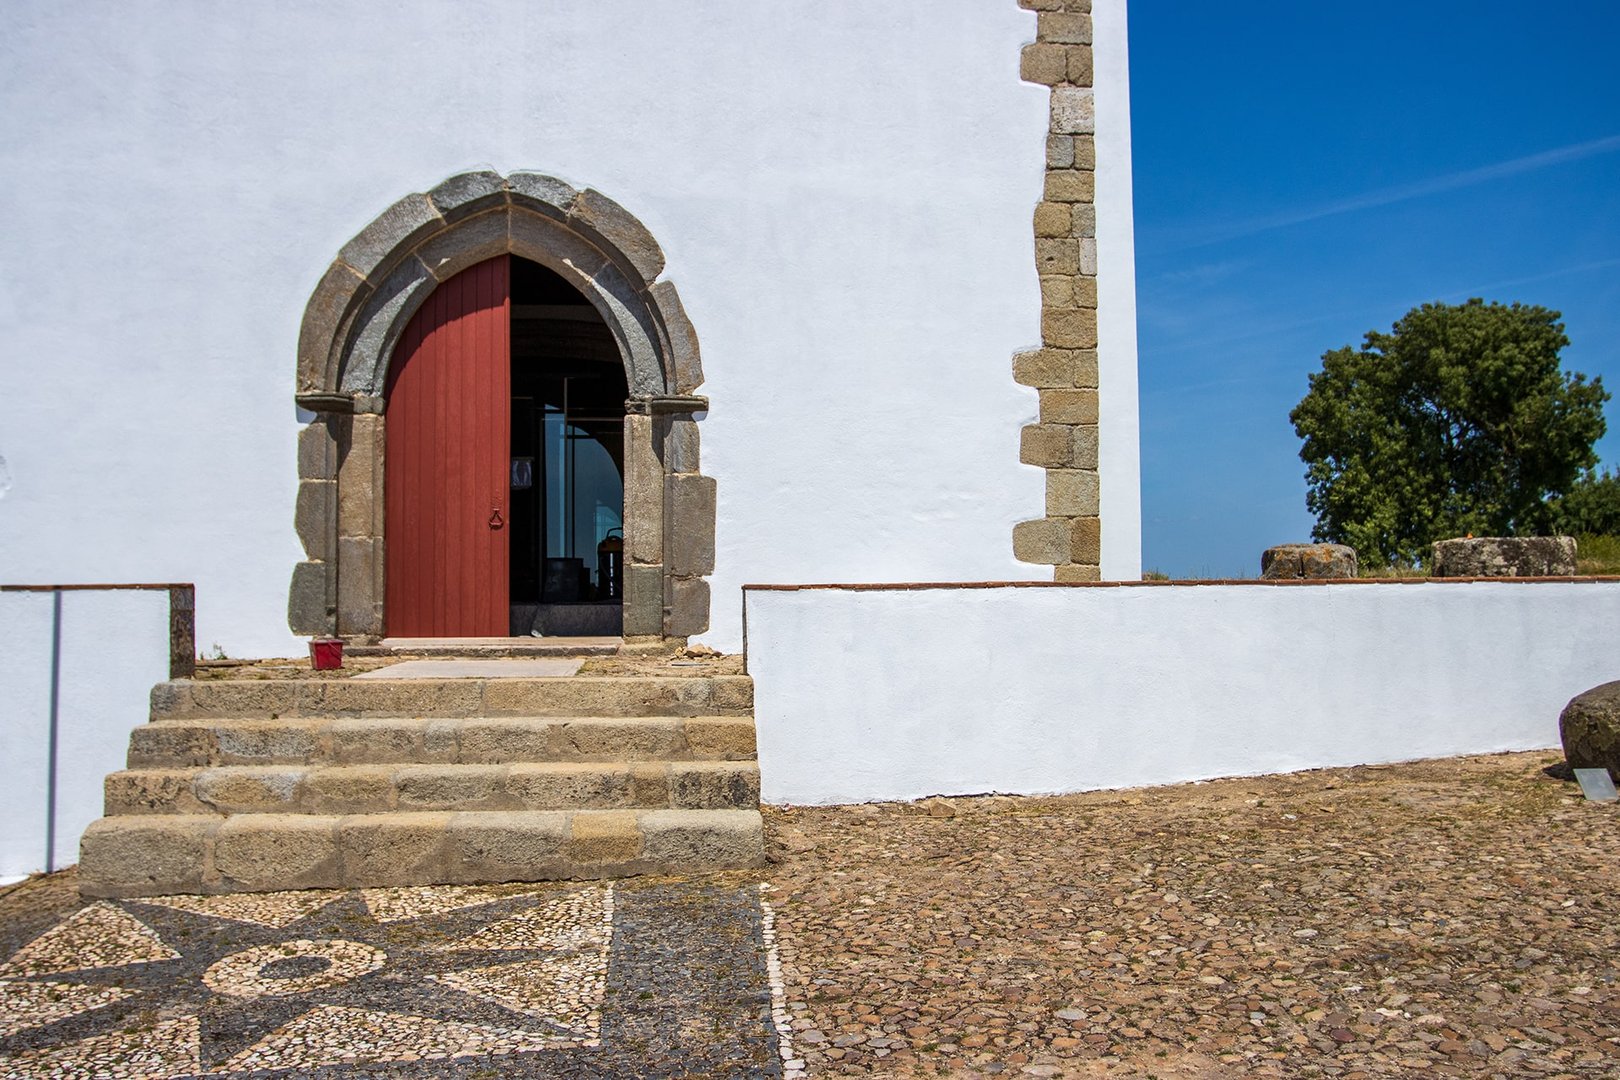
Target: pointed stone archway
<point x="357" y="314"/>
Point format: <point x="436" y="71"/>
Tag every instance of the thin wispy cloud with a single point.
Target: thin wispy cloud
<point x="1483" y="290"/>
<point x="1436" y="185"/>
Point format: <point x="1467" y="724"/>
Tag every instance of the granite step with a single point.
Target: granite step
<point x="164" y="854"/>
<point x="245" y="785"/>
<point x="450" y="741"/>
<point x="560" y="696"/>
<point x="378" y="789"/>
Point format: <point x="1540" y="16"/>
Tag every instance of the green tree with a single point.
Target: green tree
<point x="1591" y="507"/>
<point x="1458" y="421"/>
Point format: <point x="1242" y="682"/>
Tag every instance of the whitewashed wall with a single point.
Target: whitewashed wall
<point x="114" y="648"/>
<point x="843" y="191"/>
<point x="1042" y="690"/>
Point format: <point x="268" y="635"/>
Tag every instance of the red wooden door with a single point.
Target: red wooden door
<point x="448" y="442"/>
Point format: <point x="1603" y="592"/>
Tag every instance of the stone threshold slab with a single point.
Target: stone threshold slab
<point x="497" y="647"/>
<point x="527" y="668"/>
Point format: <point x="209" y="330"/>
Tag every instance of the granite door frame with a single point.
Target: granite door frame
<point x="361" y="307"/>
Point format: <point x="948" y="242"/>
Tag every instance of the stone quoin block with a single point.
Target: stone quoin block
<point x="1070" y="328"/>
<point x="1085" y="292"/>
<point x="1050" y="446"/>
<point x="1043" y="63"/>
<point x="1076" y="572"/>
<point x="1085" y="151"/>
<point x="1069" y="406"/>
<point x="1059" y="151"/>
<point x="1081" y="64"/>
<point x="1066" y="28"/>
<point x="1072" y="493"/>
<point x="1057" y="255"/>
<point x="1069" y="186"/>
<point x="1052" y="219"/>
<point x="601" y="218"/>
<point x="1088" y="255"/>
<point x="1074" y="110"/>
<point x="1085" y="541"/>
<point x="1045" y="541"/>
<point x="1057" y="291"/>
<point x="1083" y="221"/>
<point x="1055" y="368"/>
<point x="406" y="223"/>
<point x="1085" y="446"/>
<point x="467" y="193"/>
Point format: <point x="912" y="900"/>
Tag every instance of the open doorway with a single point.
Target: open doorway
<point x="567" y="467"/>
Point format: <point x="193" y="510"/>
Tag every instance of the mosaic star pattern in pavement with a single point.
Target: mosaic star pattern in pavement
<point x="176" y="986"/>
<point x="420" y="981"/>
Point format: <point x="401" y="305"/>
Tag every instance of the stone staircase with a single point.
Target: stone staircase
<point x="245" y="786"/>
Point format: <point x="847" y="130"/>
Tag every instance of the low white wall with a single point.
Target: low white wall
<point x="114" y="647"/>
<point x="902" y="693"/>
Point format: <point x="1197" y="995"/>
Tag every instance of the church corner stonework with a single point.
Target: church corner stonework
<point x="1064" y="440"/>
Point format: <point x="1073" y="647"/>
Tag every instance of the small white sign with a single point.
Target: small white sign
<point x="1597" y="785"/>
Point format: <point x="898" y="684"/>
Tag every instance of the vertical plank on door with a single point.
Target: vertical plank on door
<point x="448" y="442"/>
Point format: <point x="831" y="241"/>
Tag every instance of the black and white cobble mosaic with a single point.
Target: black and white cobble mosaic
<point x="665" y="980"/>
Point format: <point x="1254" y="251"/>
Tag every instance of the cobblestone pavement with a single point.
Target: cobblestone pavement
<point x="1445" y="918"/>
<point x="634" y="980"/>
<point x="1448" y="918"/>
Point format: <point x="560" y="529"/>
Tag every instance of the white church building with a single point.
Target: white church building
<point x="750" y="281"/>
<point x="805" y="329"/>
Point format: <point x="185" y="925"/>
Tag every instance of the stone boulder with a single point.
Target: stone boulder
<point x="1308" y="561"/>
<point x="1505" y="556"/>
<point x="1589" y="727"/>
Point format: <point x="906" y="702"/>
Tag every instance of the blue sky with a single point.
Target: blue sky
<point x="1307" y="172"/>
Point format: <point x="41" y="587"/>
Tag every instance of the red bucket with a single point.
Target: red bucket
<point x="326" y="654"/>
